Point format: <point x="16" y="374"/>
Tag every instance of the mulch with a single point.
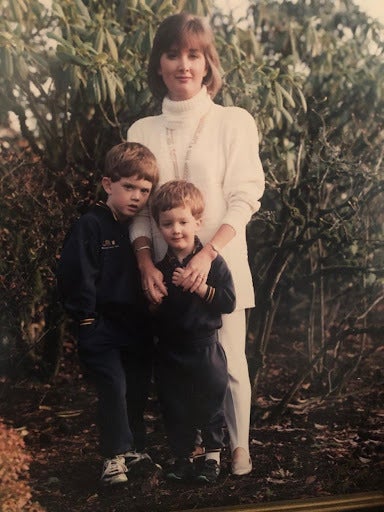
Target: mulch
<point x="320" y="447"/>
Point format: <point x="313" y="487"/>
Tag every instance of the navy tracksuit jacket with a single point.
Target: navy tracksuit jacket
<point x="99" y="285"/>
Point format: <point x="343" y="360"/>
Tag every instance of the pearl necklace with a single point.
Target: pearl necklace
<point x="172" y="150"/>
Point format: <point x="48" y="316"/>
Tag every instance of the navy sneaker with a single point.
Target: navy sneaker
<point x="181" y="469"/>
<point x="209" y="472"/>
<point x="140" y="463"/>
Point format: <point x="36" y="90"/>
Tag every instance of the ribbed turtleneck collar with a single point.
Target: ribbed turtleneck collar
<point x="176" y="113"/>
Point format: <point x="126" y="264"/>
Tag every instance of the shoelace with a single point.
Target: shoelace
<point x="114" y="466"/>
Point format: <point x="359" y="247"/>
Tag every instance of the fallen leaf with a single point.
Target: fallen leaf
<point x="69" y="413"/>
<point x="92" y="497"/>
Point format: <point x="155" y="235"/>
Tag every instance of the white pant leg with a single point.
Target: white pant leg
<point x="237" y="404"/>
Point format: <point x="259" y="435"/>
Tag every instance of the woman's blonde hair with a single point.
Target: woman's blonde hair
<point x="180" y="29"/>
<point x="174" y="194"/>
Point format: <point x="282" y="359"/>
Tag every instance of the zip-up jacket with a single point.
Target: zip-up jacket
<point x="184" y="316"/>
<point x="97" y="271"/>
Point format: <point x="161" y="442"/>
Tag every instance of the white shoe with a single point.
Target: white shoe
<point x="241" y="462"/>
<point x="114" y="471"/>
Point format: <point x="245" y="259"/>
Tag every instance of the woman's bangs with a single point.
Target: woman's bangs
<point x="194" y="40"/>
<point x="190" y="33"/>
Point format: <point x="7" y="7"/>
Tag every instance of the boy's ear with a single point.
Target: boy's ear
<point x="198" y="222"/>
<point x="106" y="183"/>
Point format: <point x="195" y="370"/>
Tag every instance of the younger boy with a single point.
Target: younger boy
<point x="99" y="284"/>
<point x="190" y="364"/>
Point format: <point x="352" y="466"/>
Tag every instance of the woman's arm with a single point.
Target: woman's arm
<point x="243" y="187"/>
<point x="151" y="278"/>
<point x="244" y="181"/>
<point x="140" y="234"/>
<point x="197" y="270"/>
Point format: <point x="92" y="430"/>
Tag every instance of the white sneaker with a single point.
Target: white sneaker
<point x="114" y="471"/>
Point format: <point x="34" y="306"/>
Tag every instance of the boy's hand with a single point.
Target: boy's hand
<point x="196" y="272"/>
<point x="178" y="276"/>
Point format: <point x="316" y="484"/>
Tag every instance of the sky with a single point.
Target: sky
<point x="374" y="8"/>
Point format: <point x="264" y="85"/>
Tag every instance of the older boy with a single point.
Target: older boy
<point x="100" y="288"/>
<point x="191" y="366"/>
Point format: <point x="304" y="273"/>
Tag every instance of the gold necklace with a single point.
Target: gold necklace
<point x="172" y="149"/>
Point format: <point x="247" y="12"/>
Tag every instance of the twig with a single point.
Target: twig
<point x="377" y="301"/>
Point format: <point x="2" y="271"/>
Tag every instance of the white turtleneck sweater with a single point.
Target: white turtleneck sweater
<point x="223" y="162"/>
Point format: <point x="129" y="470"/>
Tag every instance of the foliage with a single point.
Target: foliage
<point x="315" y="246"/>
<point x="15" y="493"/>
<point x="79" y="72"/>
<point x="36" y="210"/>
<point x="74" y="75"/>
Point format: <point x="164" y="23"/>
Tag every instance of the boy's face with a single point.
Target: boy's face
<point x="179" y="227"/>
<point x="127" y="196"/>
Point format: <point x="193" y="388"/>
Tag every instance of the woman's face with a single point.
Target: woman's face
<point x="183" y="70"/>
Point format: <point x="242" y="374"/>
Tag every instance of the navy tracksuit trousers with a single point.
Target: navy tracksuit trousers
<point x="192" y="380"/>
<point x="118" y="360"/>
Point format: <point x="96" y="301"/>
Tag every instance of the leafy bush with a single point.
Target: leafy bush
<point x="37" y="209"/>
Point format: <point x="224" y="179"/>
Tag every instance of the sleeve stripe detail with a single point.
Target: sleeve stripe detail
<point x="210" y="293"/>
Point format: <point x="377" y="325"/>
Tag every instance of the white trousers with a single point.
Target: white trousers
<point x="237" y="404"/>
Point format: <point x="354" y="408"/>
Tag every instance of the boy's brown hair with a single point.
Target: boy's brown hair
<point x="131" y="159"/>
<point x="179" y="30"/>
<point x="176" y="193"/>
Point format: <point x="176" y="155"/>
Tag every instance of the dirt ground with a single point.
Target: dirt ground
<point x="318" y="448"/>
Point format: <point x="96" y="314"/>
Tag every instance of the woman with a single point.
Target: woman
<point x="216" y="148"/>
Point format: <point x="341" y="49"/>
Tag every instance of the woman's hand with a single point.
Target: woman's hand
<point x="195" y="273"/>
<point x="152" y="280"/>
<point x="152" y="283"/>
